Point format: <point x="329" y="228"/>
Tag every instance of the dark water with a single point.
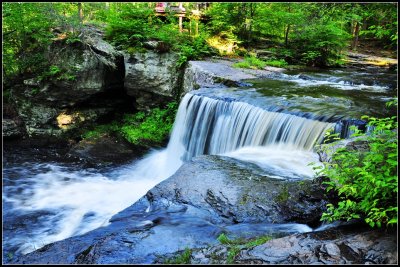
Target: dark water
<point x="45" y="201"/>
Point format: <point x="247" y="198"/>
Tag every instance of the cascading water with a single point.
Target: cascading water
<point x="49" y="202"/>
<point x="203" y="126"/>
<point x="209" y="126"/>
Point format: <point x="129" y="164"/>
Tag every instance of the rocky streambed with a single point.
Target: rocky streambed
<point x="212" y="195"/>
<point x="208" y="195"/>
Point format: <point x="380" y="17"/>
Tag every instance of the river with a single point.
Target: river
<point x="272" y="122"/>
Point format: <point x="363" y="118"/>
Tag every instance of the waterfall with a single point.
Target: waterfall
<point x="208" y="126"/>
<point x="280" y="143"/>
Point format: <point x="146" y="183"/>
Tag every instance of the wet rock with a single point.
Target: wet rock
<point x="106" y="149"/>
<point x="354" y="245"/>
<point x="94" y="65"/>
<point x="326" y="151"/>
<point x="211" y="74"/>
<point x="204" y="198"/>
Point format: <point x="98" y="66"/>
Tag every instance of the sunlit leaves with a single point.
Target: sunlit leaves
<point x="366" y="182"/>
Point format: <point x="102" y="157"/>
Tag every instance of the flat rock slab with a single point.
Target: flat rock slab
<point x="363" y="59"/>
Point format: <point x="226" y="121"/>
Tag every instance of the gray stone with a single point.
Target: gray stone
<point x="11" y="128"/>
<point x="214" y="73"/>
<point x="152" y="78"/>
<point x="95" y="68"/>
<point x="205" y="197"/>
<point x="329" y="247"/>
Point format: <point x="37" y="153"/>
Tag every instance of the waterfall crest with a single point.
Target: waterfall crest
<point x="208" y="126"/>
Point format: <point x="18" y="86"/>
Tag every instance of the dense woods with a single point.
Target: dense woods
<point x="302" y="33"/>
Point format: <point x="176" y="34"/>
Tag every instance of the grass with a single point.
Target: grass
<point x="255" y="63"/>
<point x="183" y="258"/>
<point x="236" y="245"/>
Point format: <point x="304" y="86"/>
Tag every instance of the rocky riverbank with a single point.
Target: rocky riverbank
<point x="212" y="195"/>
<point x="208" y="196"/>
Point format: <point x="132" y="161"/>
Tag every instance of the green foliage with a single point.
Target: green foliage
<point x="235" y="245"/>
<point x="28" y="31"/>
<point x="135" y="23"/>
<point x="366" y="181"/>
<point x="276" y="63"/>
<point x="184" y="258"/>
<point x="154" y="126"/>
<point x="320" y="43"/>
<point x="251" y="63"/>
<point x="57" y="73"/>
<point x="255" y="63"/>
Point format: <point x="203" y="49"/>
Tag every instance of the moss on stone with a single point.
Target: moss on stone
<point x="283" y="195"/>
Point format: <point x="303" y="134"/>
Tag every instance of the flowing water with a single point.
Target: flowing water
<point x="273" y="123"/>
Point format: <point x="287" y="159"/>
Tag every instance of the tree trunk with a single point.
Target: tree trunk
<point x="287" y="35"/>
<point x="356" y="34"/>
<point x="80" y="12"/>
<point x="180" y="23"/>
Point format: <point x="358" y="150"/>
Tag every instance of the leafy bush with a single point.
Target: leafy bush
<point x="250" y="63"/>
<point x="276" y="63"/>
<point x="320" y="43"/>
<point x="140" y="127"/>
<point x="366" y="181"/>
<point x="255" y="63"/>
<point x="154" y="126"/>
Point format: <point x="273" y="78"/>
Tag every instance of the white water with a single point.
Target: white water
<point x="280" y="162"/>
<point x="82" y="200"/>
<point x="336" y="82"/>
<point x="209" y="126"/>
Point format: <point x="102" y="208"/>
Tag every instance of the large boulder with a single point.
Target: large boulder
<point x="83" y="77"/>
<point x="151" y="77"/>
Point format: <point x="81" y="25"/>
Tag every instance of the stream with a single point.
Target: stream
<point x="273" y="123"/>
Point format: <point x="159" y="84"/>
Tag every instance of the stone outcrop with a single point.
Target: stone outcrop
<point x="85" y="75"/>
<point x="11" y="129"/>
<point x="334" y="246"/>
<point x="219" y="72"/>
<point x="152" y="78"/>
<point x="105" y="150"/>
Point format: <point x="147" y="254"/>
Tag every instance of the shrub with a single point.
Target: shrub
<point x="250" y="63"/>
<point x="366" y="182"/>
<point x="276" y="63"/>
<point x="255" y="63"/>
<point x="154" y="126"/>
